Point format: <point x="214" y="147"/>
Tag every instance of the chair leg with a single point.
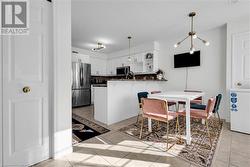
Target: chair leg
<point x="178" y="126"/>
<point x="184" y="123"/>
<point x="167" y="134"/>
<point x="141" y="127"/>
<point x="137" y="118"/>
<point x="138" y="115"/>
<point x="218" y="115"/>
<point x="208" y="133"/>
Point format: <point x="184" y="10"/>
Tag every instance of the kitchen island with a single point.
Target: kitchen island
<point x="118" y="101"/>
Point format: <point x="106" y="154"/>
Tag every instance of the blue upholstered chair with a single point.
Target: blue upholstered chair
<point x="217" y="105"/>
<point x="203" y="107"/>
<point x="141" y="95"/>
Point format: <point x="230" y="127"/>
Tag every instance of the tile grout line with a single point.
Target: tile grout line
<point x="229" y="163"/>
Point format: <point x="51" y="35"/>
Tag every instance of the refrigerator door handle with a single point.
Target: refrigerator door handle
<point x="81" y="76"/>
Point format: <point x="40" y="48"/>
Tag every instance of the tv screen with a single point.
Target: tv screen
<point x="187" y="60"/>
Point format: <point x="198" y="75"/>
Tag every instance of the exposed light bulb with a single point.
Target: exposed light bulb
<point x="192" y="49"/>
<point x="177" y="44"/>
<point x="194" y="36"/>
<point x="207" y="43"/>
<point x="129" y="59"/>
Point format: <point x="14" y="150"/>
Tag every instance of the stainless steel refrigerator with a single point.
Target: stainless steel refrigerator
<point x="81" y="87"/>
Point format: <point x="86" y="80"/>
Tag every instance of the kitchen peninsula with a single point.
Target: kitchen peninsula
<point x="117" y="100"/>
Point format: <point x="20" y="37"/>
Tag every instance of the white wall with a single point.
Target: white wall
<point x="90" y="53"/>
<point x="210" y="77"/>
<point x="97" y="60"/>
<point x="83" y="58"/>
<point x="62" y="78"/>
<point x="150" y="46"/>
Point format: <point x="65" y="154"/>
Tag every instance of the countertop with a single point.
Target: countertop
<point x="127" y="80"/>
<point x="138" y="80"/>
<point x="99" y="85"/>
<point x="114" y="75"/>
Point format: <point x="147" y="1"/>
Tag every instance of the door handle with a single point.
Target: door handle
<point x="239" y="84"/>
<point x="81" y="77"/>
<point x="26" y="89"/>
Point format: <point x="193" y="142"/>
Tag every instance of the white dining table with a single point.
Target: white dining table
<point x="178" y="96"/>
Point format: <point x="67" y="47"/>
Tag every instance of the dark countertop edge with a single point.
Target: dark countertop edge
<point x="99" y="86"/>
<point x="122" y="75"/>
<point x="163" y="80"/>
<point x="140" y="80"/>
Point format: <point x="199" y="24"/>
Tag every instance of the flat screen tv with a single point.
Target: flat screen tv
<point x="187" y="60"/>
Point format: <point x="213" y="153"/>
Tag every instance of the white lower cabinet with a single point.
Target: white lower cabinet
<point x="92" y="95"/>
<point x="100" y="107"/>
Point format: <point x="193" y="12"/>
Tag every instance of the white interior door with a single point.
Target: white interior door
<point x="241" y="60"/>
<point x="26" y="115"/>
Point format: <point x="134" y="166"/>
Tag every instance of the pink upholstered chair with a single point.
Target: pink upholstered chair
<point x="158" y="110"/>
<point x="202" y="114"/>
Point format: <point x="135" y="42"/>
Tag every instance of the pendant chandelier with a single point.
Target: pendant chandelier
<point x="192" y="34"/>
<point x="129" y="47"/>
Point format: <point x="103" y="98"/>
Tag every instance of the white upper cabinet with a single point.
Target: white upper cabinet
<point x="98" y="66"/>
<point x="145" y="62"/>
<point x="139" y="63"/>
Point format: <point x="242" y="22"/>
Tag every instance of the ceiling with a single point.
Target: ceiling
<point x="112" y="21"/>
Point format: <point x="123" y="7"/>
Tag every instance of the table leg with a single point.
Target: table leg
<point x="149" y="125"/>
<point x="188" y="128"/>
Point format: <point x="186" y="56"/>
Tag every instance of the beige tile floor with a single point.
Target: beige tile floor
<point x="120" y="150"/>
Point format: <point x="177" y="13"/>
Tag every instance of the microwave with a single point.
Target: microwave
<point x="122" y="70"/>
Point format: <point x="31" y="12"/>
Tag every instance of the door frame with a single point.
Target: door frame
<point x="52" y="84"/>
<point x="1" y="106"/>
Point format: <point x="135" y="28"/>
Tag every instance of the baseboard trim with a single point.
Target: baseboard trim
<point x="62" y="153"/>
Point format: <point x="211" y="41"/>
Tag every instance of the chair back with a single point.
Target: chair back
<point x="155" y="92"/>
<point x="210" y="105"/>
<point x="217" y="103"/>
<point x="154" y="106"/>
<point x="141" y="95"/>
